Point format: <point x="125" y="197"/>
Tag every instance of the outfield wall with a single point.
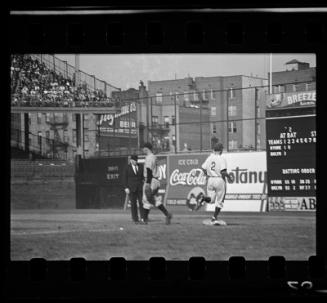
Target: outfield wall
<point x="42" y="184"/>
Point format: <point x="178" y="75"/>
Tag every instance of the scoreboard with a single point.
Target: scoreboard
<point x="291" y="156"/>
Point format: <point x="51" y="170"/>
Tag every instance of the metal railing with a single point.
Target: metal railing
<point x="80" y="78"/>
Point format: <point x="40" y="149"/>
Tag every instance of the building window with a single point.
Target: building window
<point x="232" y="127"/>
<point x="39" y="118"/>
<point x="58" y="116"/>
<point x="186" y="96"/>
<point x="213" y="111"/>
<point x="310" y="86"/>
<point x="47" y="117"/>
<point x="74" y="117"/>
<point x="258" y="129"/>
<point x="214" y="128"/>
<point x="275" y="89"/>
<point x="173" y="120"/>
<point x="86" y="135"/>
<point x="281" y="88"/>
<point x="195" y="96"/>
<point x="212" y="94"/>
<point x="74" y="135"/>
<point x="159" y="97"/>
<point x="232" y="144"/>
<point x="29" y="118"/>
<point x="231" y="93"/>
<point x="166" y="119"/>
<point x="39" y="137"/>
<point x="86" y="120"/>
<point x="65" y="136"/>
<point x="177" y="96"/>
<point x="155" y="120"/>
<point x="294" y="87"/>
<point x="232" y="110"/>
<point x="47" y="136"/>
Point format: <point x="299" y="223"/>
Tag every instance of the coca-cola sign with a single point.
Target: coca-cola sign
<point x="194" y="177"/>
<point x="184" y="174"/>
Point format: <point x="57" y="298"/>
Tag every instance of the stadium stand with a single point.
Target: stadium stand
<point x="34" y="84"/>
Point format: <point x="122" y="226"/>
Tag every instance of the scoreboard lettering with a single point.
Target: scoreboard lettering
<point x="291" y="156"/>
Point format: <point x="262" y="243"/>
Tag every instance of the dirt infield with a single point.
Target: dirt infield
<point x="102" y="234"/>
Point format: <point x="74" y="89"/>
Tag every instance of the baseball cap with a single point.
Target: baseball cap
<point x="134" y="157"/>
<point x="148" y="145"/>
<point x="218" y="147"/>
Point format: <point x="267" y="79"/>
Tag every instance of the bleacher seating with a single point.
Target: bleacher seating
<point x="33" y="84"/>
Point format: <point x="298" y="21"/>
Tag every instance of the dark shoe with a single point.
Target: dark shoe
<point x="207" y="199"/>
<point x="143" y="222"/>
<point x="168" y="218"/>
<point x="136" y="222"/>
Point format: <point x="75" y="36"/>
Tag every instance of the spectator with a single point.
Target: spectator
<point x="33" y="83"/>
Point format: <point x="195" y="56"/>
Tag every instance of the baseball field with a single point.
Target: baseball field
<point x="102" y="234"/>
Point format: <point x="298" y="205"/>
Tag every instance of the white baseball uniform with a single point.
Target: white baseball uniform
<point x="151" y="163"/>
<point x="216" y="186"/>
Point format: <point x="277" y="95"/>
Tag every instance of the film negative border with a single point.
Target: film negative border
<point x="156" y="32"/>
<point x="196" y="277"/>
<point x="171" y="32"/>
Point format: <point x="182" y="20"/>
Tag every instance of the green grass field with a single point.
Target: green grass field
<point x="102" y="234"/>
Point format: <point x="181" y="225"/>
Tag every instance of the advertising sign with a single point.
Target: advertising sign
<point x="186" y="180"/>
<point x="295" y="99"/>
<point x="120" y="124"/>
<point x="292" y="203"/>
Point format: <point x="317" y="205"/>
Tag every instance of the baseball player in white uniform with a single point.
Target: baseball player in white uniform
<point x="152" y="185"/>
<point x="215" y="167"/>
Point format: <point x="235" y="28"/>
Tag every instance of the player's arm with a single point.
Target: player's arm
<point x="223" y="170"/>
<point x="141" y="167"/>
<point x="225" y="175"/>
<point x="204" y="166"/>
<point x="149" y="175"/>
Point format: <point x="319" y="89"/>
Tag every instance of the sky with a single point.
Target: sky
<point x="126" y="71"/>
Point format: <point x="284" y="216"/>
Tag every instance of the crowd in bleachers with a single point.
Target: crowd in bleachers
<point x="33" y="84"/>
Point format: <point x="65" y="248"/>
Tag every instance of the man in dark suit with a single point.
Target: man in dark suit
<point x="133" y="183"/>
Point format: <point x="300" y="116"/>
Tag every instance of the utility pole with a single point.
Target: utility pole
<point x="227" y="129"/>
<point x="270" y="74"/>
<point x="77" y="68"/>
<point x="255" y="118"/>
<point x="200" y="124"/>
<point x="175" y="124"/>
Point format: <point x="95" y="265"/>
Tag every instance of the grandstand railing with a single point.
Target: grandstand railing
<point x="69" y="71"/>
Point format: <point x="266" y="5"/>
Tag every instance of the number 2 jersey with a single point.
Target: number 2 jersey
<point x="214" y="165"/>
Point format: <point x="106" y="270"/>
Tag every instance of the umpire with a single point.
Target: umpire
<point x="133" y="184"/>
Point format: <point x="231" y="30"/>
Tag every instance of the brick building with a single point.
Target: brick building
<point x="175" y="115"/>
<point x="297" y="77"/>
<point x="229" y="108"/>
